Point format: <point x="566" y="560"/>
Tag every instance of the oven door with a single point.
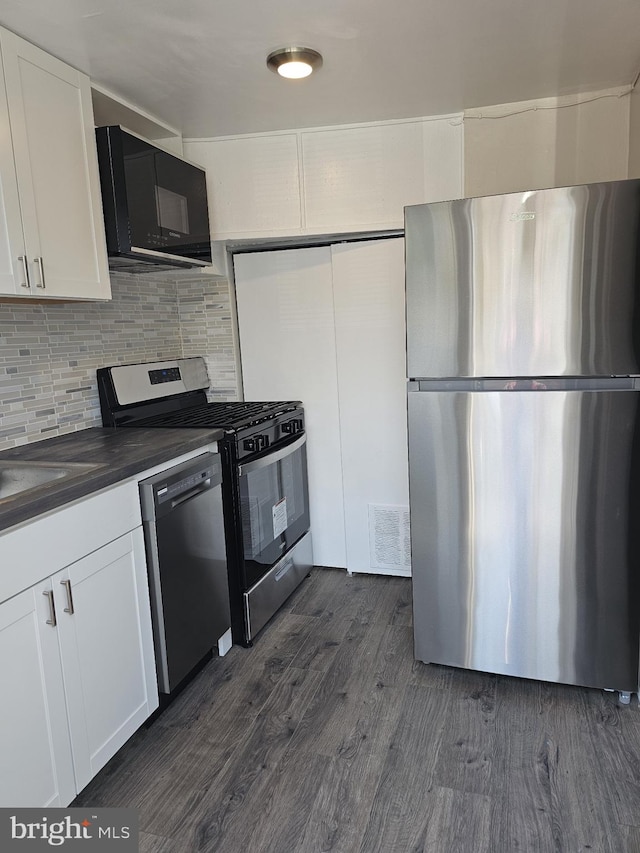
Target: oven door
<point x="274" y="506"/>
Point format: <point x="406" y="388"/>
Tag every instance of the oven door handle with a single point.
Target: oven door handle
<point x="270" y="458"/>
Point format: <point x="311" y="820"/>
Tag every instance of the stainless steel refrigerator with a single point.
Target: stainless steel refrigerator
<point x="523" y="340"/>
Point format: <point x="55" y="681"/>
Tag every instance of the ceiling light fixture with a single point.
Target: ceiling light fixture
<point x="294" y="62"/>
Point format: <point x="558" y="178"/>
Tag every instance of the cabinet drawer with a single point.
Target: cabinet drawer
<point x="41" y="547"/>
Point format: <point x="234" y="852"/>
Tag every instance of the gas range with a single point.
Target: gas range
<point x="264" y="481"/>
<point x="253" y="427"/>
<point x="231" y="417"/>
<point x="172" y="394"/>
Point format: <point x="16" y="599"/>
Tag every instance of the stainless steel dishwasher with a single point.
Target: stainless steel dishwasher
<point x="187" y="565"/>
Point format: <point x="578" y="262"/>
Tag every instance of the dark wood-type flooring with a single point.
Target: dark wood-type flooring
<point x="327" y="736"/>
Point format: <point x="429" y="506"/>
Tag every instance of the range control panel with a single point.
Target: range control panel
<point x="167" y="374"/>
<point x="139" y="383"/>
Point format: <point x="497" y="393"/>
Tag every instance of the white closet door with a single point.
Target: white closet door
<point x="368" y="285"/>
<point x="288" y="351"/>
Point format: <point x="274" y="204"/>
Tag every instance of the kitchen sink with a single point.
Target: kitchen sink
<point x="16" y="477"/>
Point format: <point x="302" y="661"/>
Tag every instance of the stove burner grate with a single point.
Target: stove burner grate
<point x="229" y="416"/>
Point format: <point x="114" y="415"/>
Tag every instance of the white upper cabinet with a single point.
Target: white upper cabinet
<point x="362" y="177"/>
<point x="52" y="242"/>
<point x="253" y="184"/>
<point x="329" y="180"/>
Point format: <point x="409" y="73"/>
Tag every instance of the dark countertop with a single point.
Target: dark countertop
<point x="114" y="454"/>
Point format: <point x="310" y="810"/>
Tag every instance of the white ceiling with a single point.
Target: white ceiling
<point x="199" y="65"/>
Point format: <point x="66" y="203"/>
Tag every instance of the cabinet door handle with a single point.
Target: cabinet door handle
<point x="40" y="265"/>
<point x="25" y="269"/>
<point x="52" y="608"/>
<point x="69" y="608"/>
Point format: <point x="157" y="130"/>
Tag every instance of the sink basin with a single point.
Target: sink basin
<point x="16" y="477"/>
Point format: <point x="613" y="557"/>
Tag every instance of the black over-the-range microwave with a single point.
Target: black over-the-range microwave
<point x="155" y="205"/>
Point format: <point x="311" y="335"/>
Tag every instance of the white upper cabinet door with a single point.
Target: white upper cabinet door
<point x="287" y="345"/>
<point x="52" y="135"/>
<point x="358" y="178"/>
<point x="253" y="184"/>
<point x="368" y="288"/>
<point x="34" y="737"/>
<point x="13" y="261"/>
<point x="106" y="644"/>
<point x="329" y="180"/>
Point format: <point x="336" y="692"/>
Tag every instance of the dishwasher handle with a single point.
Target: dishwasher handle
<point x="192" y="493"/>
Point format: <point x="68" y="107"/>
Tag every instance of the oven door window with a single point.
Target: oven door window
<point x="274" y="506"/>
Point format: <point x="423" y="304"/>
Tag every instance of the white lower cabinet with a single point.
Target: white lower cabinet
<point x="106" y="647"/>
<point x="37" y="767"/>
<point x="78" y="673"/>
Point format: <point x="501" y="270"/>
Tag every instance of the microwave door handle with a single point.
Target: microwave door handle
<point x="276" y="456"/>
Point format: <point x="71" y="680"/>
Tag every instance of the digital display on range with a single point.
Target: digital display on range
<point x="169" y="374"/>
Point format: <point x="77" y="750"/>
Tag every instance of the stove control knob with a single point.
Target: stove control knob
<point x="262" y="441"/>
<point x="249" y="444"/>
<point x="288" y="428"/>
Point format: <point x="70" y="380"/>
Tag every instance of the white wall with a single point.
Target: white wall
<point x="546" y="143"/>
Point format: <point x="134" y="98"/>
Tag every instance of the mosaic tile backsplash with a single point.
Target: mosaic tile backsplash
<point x="49" y="353"/>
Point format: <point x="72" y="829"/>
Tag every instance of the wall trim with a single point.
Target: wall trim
<point x="453" y="119"/>
<point x="506" y="110"/>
